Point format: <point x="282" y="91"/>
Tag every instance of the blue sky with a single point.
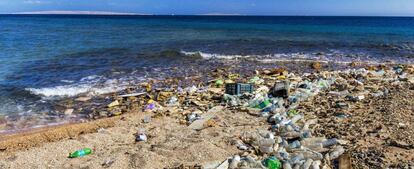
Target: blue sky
<point x="244" y="7"/>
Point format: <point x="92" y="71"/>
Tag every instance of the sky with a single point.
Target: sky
<point x="242" y="7"/>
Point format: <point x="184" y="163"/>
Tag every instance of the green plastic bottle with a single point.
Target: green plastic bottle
<point x="263" y="104"/>
<point x="80" y="153"/>
<point x="272" y="163"/>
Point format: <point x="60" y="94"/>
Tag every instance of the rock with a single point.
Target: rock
<point x="83" y="99"/>
<point x="113" y="104"/>
<point x="345" y="161"/>
<point x="132" y="94"/>
<point x="341" y="105"/>
<point x="146" y="119"/>
<point x="228" y="81"/>
<point x="107" y="163"/>
<point x="316" y="66"/>
<point x="401" y="144"/>
<point x="202" y="122"/>
<point x="69" y="112"/>
<point x="103" y="113"/>
<point x="215" y="90"/>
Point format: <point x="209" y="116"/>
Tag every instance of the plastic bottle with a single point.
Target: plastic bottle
<point x="263" y="104"/>
<point x="286" y="165"/>
<point x="330" y="142"/>
<point x="339" y="150"/>
<point x="314" y="155"/>
<point x="172" y="101"/>
<point x="291" y="135"/>
<point x="267" y="142"/>
<point x="295" y="144"/>
<point x="296" y="159"/>
<point x="270" y="136"/>
<point x="313" y="141"/>
<point x="272" y="163"/>
<point x="316" y="164"/>
<point x="234" y="162"/>
<point x="306" y="134"/>
<point x="80" y="153"/>
<point x="307" y="164"/>
<point x="266" y="150"/>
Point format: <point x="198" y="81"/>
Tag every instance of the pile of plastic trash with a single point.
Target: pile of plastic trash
<point x="289" y="142"/>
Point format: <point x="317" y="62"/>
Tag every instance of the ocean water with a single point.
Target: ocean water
<point x="44" y="58"/>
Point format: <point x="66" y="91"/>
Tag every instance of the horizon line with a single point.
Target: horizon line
<point x="110" y="13"/>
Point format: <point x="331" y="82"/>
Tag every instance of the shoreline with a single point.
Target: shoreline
<point x="166" y="120"/>
<point x="40" y="136"/>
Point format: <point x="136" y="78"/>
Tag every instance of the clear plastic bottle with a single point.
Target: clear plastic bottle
<point x="307" y="164"/>
<point x="338" y="151"/>
<point x="235" y="162"/>
<point x="294" y="144"/>
<point x="330" y="142"/>
<point x="316" y="164"/>
<point x="297" y="158"/>
<point x="286" y="165"/>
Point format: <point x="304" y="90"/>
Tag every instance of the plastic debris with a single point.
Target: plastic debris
<point x="272" y="163"/>
<point x="80" y="153"/>
<point x="238" y="88"/>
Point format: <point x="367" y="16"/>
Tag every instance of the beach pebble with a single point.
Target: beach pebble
<point x="108" y="163"/>
<point x="146" y="119"/>
<point x="68" y="112"/>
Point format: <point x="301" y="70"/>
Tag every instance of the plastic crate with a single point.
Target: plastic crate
<point x="238" y="88"/>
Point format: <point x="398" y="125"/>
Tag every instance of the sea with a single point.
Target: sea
<point x="45" y="58"/>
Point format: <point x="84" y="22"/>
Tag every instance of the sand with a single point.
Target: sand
<point x="379" y="132"/>
<point x="169" y="144"/>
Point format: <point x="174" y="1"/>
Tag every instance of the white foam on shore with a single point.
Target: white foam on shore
<point x="213" y="55"/>
<point x="334" y="57"/>
<point x="91" y="85"/>
<point x="266" y="58"/>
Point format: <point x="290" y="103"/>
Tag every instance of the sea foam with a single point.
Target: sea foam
<point x="91" y="85"/>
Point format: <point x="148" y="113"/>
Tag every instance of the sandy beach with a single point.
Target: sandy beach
<point x="376" y="130"/>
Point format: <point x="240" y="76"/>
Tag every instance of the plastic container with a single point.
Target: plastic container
<point x="281" y="89"/>
<point x="238" y="88"/>
<point x="80" y="153"/>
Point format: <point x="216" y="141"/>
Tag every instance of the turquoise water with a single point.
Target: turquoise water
<point x="48" y="57"/>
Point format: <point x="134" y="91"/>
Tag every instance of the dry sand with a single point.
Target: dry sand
<point x="169" y="144"/>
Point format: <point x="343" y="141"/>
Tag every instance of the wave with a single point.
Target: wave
<point x="212" y="55"/>
<point x="333" y="56"/>
<point x="264" y="58"/>
<point x="90" y="85"/>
